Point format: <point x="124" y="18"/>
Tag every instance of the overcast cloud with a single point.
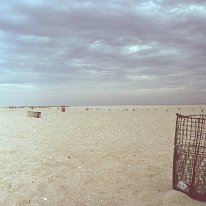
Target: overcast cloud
<point x="102" y="52"/>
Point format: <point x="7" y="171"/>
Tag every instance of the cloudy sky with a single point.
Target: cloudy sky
<point x="102" y="52"/>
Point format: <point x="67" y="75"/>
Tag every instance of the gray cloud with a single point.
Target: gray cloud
<point x="129" y="50"/>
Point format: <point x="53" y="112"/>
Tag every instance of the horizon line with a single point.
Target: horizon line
<point x="43" y="106"/>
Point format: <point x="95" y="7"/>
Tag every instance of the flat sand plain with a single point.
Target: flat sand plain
<point x="119" y="155"/>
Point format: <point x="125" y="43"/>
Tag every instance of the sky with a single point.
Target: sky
<point x="117" y="52"/>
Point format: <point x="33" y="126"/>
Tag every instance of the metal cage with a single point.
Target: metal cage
<point x="189" y="160"/>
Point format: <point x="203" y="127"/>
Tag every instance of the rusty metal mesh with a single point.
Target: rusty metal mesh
<point x="189" y="161"/>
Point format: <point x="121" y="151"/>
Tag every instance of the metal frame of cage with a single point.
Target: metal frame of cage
<point x="189" y="160"/>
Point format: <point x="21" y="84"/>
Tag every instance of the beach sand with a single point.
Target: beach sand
<point x="118" y="155"/>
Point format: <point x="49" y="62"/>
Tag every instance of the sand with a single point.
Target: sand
<point x="104" y="156"/>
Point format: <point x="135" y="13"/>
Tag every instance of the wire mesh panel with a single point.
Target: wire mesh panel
<point x="189" y="161"/>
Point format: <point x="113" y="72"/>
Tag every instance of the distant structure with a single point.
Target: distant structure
<point x="34" y="114"/>
<point x="63" y="109"/>
<point x="12" y="107"/>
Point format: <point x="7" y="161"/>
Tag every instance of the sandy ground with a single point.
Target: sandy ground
<point x="108" y="156"/>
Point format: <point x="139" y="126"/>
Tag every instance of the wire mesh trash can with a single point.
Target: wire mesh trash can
<point x="63" y="109"/>
<point x="34" y="114"/>
<point x="189" y="160"/>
